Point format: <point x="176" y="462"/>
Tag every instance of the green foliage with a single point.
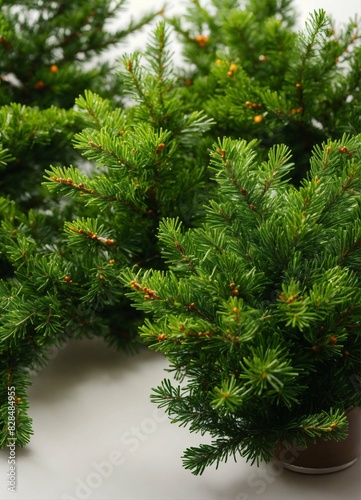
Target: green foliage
<point x="14" y="380"/>
<point x="29" y="137"/>
<point x="228" y="395"/>
<point x="147" y="156"/>
<point x="62" y="262"/>
<point x="259" y="313"/>
<point x="257" y="77"/>
<point x="49" y="51"/>
<point x="239" y="31"/>
<point x="49" y="294"/>
<point x="250" y="298"/>
<point x="5" y="156"/>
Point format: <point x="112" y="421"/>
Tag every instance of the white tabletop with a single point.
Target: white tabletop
<point x="98" y="436"/>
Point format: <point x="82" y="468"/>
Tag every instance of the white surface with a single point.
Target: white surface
<point x="97" y="436"/>
<point x="91" y="407"/>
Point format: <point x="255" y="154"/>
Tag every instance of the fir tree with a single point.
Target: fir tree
<point x="259" y="313"/>
<point x="49" y="53"/>
<point x="147" y="165"/>
<point x="259" y="78"/>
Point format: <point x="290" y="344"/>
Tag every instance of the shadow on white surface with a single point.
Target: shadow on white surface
<point x="98" y="436"/>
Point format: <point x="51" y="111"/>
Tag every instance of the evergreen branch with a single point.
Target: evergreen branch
<point x="228" y="395"/>
<point x="89" y="229"/>
<point x="96" y="44"/>
<point x="159" y="57"/>
<point x="344" y="253"/>
<point x="266" y="373"/>
<point x="329" y="425"/>
<point x="311" y="40"/>
<point x="196" y="459"/>
<point x="110" y="152"/>
<point x="174" y="250"/>
<point x="5" y="156"/>
<point x="103" y="116"/>
<point x="131" y="64"/>
<point x="81" y="189"/>
<point x="14" y="383"/>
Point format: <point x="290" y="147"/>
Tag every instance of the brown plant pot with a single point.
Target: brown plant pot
<point x="324" y="457"/>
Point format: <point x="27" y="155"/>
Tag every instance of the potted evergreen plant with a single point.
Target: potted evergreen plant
<point x="147" y="153"/>
<point x="259" y="313"/>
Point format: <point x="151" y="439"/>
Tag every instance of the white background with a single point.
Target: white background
<point x="97" y="436"/>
